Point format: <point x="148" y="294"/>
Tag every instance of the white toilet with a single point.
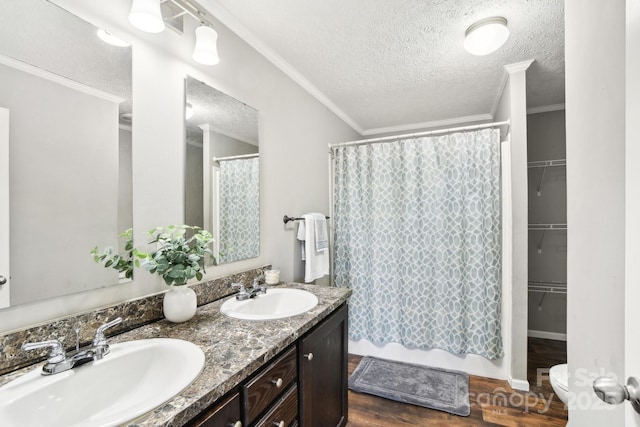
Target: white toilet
<point x="559" y="378"/>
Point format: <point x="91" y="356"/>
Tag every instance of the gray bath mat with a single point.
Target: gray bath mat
<point x="432" y="388"/>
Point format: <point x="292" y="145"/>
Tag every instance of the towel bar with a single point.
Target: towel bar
<point x="286" y="219"/>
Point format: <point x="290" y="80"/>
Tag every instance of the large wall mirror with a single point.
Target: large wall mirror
<point x="222" y="191"/>
<point x="68" y="94"/>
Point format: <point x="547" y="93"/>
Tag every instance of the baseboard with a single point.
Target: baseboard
<point x="547" y="335"/>
<point x="522" y="385"/>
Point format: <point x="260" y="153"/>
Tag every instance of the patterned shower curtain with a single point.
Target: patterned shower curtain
<point x="239" y="193"/>
<point x="417" y="239"/>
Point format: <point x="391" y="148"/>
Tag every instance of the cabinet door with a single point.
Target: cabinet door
<point x="224" y="414"/>
<point x="322" y="360"/>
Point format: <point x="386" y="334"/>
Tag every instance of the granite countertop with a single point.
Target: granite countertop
<point x="233" y="348"/>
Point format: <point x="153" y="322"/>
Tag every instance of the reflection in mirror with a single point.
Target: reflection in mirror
<point x="222" y="191"/>
<point x="69" y="151"/>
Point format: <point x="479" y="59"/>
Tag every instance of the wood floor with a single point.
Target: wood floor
<point x="493" y="402"/>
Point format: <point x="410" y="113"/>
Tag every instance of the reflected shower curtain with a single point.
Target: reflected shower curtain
<point x="239" y="193"/>
<point x="417" y="239"/>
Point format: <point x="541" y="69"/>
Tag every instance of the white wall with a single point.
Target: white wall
<point x="595" y="114"/>
<point x="294" y="132"/>
<point x="632" y="179"/>
<point x="518" y="139"/>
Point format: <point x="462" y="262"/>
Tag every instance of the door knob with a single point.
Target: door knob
<point x="609" y="391"/>
<point x="3" y="280"/>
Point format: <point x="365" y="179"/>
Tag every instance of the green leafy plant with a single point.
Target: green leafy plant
<point x="122" y="263"/>
<point x="180" y="255"/>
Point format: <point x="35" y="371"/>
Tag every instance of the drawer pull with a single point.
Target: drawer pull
<point x="278" y="424"/>
<point x="309" y="356"/>
<point x="236" y="424"/>
<point x="277" y="383"/>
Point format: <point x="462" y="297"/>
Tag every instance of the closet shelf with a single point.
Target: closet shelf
<point x="551" y="287"/>
<point x="546" y="163"/>
<point x="545" y="227"/>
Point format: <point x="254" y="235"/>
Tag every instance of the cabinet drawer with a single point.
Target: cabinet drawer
<point x="269" y="384"/>
<point x="284" y="412"/>
<point x="226" y="413"/>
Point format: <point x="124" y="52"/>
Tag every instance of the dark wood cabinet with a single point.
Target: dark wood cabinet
<point x="284" y="412"/>
<point x="223" y="414"/>
<point x="322" y="362"/>
<point x="270" y="383"/>
<point x="304" y="385"/>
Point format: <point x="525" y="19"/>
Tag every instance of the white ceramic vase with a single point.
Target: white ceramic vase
<point x="179" y="304"/>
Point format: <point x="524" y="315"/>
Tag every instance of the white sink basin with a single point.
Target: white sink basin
<point x="134" y="378"/>
<point x="275" y="304"/>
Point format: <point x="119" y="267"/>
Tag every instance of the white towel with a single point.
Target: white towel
<point x="316" y="263"/>
<point x="322" y="241"/>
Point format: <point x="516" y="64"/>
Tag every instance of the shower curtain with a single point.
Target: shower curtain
<point x="239" y="198"/>
<point x="417" y="239"/>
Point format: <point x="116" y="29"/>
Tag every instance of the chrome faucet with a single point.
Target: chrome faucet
<point x="257" y="288"/>
<point x="100" y="345"/>
<point x="58" y="361"/>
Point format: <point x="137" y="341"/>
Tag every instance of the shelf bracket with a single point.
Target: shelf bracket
<point x="539" y="190"/>
<point x="541" y="241"/>
<point x="544" y="294"/>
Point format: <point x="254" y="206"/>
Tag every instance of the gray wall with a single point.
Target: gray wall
<point x="546" y="140"/>
<point x="59" y="137"/>
<point x="125" y="191"/>
<point x="193" y="188"/>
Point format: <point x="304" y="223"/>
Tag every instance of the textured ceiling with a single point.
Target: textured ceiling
<point x="400" y="63"/>
<point x="224" y="114"/>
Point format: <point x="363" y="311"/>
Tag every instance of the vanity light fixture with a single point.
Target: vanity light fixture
<point x="206" y="50"/>
<point x="486" y="35"/>
<point x="188" y="111"/>
<point x="109" y="38"/>
<point x="145" y="15"/>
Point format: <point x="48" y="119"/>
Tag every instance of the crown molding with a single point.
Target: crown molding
<point x="227" y="19"/>
<point x="503" y="84"/>
<point x="427" y="125"/>
<point x="210" y="128"/>
<point x="56" y="78"/>
<point x="518" y="66"/>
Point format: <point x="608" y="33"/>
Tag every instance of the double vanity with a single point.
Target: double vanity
<point x="249" y="370"/>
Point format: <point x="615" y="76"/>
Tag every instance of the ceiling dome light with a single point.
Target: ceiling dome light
<point x="145" y="15"/>
<point x="206" y="50"/>
<point x="109" y="38"/>
<point x="486" y="36"/>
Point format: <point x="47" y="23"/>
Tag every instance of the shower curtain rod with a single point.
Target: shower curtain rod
<point x="411" y="135"/>
<point x="242" y="156"/>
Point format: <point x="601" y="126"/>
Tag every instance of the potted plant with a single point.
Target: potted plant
<point x="180" y="255"/>
<point x="122" y="263"/>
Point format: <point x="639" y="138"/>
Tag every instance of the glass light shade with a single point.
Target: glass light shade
<point x="145" y="15"/>
<point x="188" y="111"/>
<point x="206" y="50"/>
<point x="486" y="36"/>
<point x="109" y="38"/>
